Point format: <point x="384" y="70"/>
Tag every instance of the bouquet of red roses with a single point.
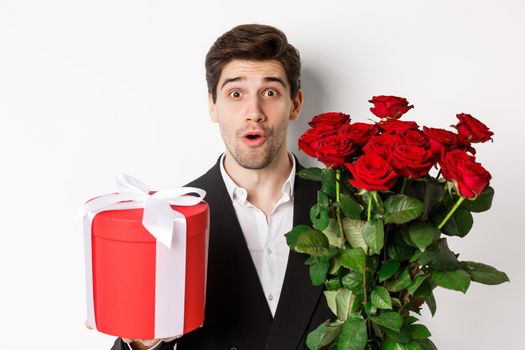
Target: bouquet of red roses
<point x="378" y="237"/>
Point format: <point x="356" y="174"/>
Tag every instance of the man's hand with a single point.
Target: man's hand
<point x="142" y="344"/>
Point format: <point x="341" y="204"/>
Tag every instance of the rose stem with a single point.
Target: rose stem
<point x="451" y="212"/>
<point x="369" y="216"/>
<point x="403" y="186"/>
<point x="338" y="199"/>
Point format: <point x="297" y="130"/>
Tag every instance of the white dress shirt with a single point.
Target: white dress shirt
<point x="265" y="236"/>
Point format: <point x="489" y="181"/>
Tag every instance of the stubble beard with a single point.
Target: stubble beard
<point x="255" y="158"/>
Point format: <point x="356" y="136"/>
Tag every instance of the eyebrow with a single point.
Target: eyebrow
<point x="266" y="79"/>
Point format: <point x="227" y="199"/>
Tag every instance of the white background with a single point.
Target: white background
<point x="91" y="87"/>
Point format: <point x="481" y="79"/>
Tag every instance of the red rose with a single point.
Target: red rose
<point x="382" y="145"/>
<point x="333" y="150"/>
<point x="412" y="161"/>
<point x="472" y="129"/>
<point x="468" y="176"/>
<point x="392" y="107"/>
<point x="331" y="118"/>
<point x="308" y="140"/>
<point x="394" y="126"/>
<point x="449" y="162"/>
<point x="414" y="138"/>
<point x="441" y="139"/>
<point x="359" y="133"/>
<point x="372" y="173"/>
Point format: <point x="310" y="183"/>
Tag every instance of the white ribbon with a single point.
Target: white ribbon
<point x="167" y="226"/>
<point x="158" y="218"/>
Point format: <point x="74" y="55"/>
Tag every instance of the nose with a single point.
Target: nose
<point x="254" y="110"/>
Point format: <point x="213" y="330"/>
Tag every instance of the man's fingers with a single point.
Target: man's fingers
<point x="145" y="342"/>
<point x="149" y="342"/>
<point x="167" y="340"/>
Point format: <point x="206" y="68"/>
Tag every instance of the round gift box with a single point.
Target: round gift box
<point x="124" y="272"/>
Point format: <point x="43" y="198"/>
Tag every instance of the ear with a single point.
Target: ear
<point x="212" y="108"/>
<point x="297" y="104"/>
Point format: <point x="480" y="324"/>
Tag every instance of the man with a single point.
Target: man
<point x="259" y="295"/>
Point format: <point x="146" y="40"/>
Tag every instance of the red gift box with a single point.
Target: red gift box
<point x="137" y="287"/>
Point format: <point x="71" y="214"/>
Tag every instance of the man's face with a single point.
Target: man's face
<point x="253" y="107"/>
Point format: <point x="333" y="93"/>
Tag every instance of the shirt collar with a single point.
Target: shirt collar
<point x="240" y="194"/>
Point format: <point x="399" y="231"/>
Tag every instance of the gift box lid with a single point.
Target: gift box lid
<point x="126" y="225"/>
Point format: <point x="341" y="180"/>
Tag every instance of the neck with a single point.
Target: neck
<point x="270" y="178"/>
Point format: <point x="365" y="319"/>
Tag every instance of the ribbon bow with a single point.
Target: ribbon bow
<point x="158" y="218"/>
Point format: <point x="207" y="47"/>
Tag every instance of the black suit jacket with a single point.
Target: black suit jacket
<point x="237" y="316"/>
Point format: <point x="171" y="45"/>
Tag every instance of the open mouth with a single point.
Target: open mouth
<point x="254" y="138"/>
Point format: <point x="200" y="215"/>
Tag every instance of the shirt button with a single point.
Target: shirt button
<point x="269" y="251"/>
<point x="270" y="297"/>
<point x="233" y="348"/>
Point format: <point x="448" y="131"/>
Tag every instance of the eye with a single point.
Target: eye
<point x="235" y="94"/>
<point x="270" y="93"/>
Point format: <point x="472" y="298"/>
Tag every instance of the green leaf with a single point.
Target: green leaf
<point x="353" y="281"/>
<point x="401" y="337"/>
<point x="354" y="233"/>
<point x="415" y="285"/>
<point x="328" y="182"/>
<point x="310" y="174"/>
<point x="370" y="309"/>
<point x="422" y="234"/>
<point x="353" y="335"/>
<point x="410" y="319"/>
<point x="315" y="337"/>
<point x="413" y="346"/>
<point x="428" y="190"/>
<point x="390" y="344"/>
<point x="424" y="290"/>
<point x="415" y="257"/>
<point x="481" y="203"/>
<point x="485" y="274"/>
<point x="401" y="209"/>
<point x="319" y="217"/>
<point x="427" y="344"/>
<point x="388" y="269"/>
<point x="456" y="280"/>
<point x="322" y="199"/>
<point x="353" y="258"/>
<point x="402" y="282"/>
<point x="439" y="257"/>
<point x="318" y="269"/>
<point x="374" y="235"/>
<point x="291" y="237"/>
<point x="390" y="319"/>
<point x="333" y="284"/>
<point x="331" y="232"/>
<point x="330" y="296"/>
<point x="323" y="335"/>
<point x="350" y="207"/>
<point x="397" y="248"/>
<point x="335" y="265"/>
<point x="381" y="298"/>
<point x="343" y="302"/>
<point x="315" y="243"/>
<point x="418" y="332"/>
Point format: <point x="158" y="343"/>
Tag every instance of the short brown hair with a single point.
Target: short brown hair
<point x="253" y="42"/>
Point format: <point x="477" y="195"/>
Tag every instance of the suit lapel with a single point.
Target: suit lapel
<point x="230" y="259"/>
<point x="298" y="297"/>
